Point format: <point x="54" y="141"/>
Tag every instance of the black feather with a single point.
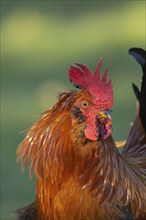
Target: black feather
<point x="78" y="114"/>
<point x="27" y="213"/>
<point x="136" y="91"/>
<point x="140" y="56"/>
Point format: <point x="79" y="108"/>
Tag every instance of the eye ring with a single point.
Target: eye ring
<point x="84" y="104"/>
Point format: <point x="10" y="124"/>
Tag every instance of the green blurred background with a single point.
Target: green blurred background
<point x="39" y="41"/>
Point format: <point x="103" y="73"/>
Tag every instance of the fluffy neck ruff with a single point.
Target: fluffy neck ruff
<point x="56" y="156"/>
<point x="99" y="169"/>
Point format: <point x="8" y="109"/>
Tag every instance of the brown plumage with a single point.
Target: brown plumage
<point x="78" y="178"/>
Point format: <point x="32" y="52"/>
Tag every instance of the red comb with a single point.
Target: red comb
<point x="99" y="89"/>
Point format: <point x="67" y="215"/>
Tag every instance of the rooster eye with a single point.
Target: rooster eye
<point x="84" y="104"/>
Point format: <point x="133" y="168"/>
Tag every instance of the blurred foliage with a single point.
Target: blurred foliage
<point x="39" y="41"/>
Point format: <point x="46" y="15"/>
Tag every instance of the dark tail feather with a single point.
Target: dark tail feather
<point x="140" y="56"/>
<point x="136" y="91"/>
<point x="27" y="213"/>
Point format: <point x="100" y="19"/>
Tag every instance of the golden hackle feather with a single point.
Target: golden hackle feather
<point x="84" y="180"/>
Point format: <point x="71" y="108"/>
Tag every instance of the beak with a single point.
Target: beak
<point x="103" y="124"/>
<point x="105" y="114"/>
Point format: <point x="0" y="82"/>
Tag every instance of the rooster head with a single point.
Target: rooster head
<point x="93" y="106"/>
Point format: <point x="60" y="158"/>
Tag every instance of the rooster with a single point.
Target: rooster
<point x="80" y="173"/>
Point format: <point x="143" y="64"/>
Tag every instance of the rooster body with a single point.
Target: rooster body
<point x="80" y="174"/>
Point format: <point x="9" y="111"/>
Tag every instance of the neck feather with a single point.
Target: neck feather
<point x="97" y="166"/>
<point x="113" y="179"/>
